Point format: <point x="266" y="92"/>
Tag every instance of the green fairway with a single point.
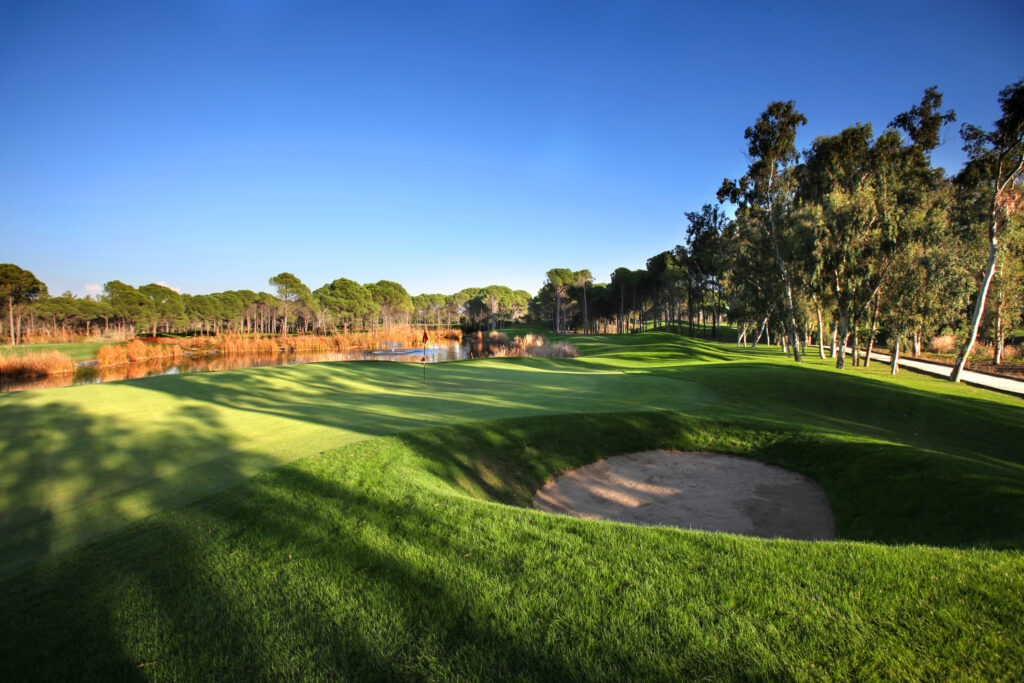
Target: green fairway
<point x="75" y="350"/>
<point x="410" y="555"/>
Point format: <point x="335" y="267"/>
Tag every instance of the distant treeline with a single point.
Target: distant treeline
<point x="123" y="310"/>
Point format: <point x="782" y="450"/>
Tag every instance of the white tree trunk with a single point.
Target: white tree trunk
<point x="979" y="308"/>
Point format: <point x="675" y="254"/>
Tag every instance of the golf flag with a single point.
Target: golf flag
<point x="423" y="360"/>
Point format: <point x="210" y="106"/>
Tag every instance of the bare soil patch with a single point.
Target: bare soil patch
<point x="707" y="491"/>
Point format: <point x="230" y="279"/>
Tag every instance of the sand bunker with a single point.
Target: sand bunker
<point x="705" y="491"/>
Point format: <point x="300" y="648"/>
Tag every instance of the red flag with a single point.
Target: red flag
<point x="425" y="337"/>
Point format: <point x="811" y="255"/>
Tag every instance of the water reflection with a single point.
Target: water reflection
<point x="93" y="374"/>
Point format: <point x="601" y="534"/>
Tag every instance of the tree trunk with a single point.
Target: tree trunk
<point x="10" y="315"/>
<point x="844" y="334"/>
<point x="821" y="331"/>
<point x="895" y="357"/>
<point x="874" y="326"/>
<point x="997" y="341"/>
<point x="790" y="321"/>
<point x="979" y="308"/>
<point x="586" y="316"/>
<point x="856" y="343"/>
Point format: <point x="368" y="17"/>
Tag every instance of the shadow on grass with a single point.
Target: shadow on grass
<point x="983" y="430"/>
<point x="69" y="478"/>
<point x="375" y="562"/>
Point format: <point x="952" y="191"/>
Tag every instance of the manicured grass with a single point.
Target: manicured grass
<point x="76" y="350"/>
<point x="410" y="555"/>
<point x="79" y="462"/>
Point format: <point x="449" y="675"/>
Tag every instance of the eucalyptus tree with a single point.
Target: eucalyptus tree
<point x="994" y="167"/>
<point x="838" y="186"/>
<point x="17" y="287"/>
<point x="750" y="281"/>
<point x="928" y="282"/>
<point x="1008" y="285"/>
<point x="766" y="192"/>
<point x="292" y="292"/>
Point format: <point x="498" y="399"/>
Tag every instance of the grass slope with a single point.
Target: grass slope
<point x="411" y="556"/>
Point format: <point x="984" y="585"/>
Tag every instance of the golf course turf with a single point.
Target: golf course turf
<point x="351" y="521"/>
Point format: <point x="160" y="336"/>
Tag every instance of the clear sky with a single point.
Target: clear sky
<point x="211" y="144"/>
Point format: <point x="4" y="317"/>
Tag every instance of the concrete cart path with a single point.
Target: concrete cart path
<point x="1005" y="384"/>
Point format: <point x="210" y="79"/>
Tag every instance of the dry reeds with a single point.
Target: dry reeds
<point x="535" y="345"/>
<point x="497" y="337"/>
<point x="235" y="345"/>
<point x="947" y="344"/>
<point x="943" y="343"/>
<point x="35" y="365"/>
<point x="135" y="350"/>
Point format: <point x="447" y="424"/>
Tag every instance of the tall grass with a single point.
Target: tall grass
<point x="945" y="344"/>
<point x="135" y="350"/>
<point x="401" y="335"/>
<point x="35" y="365"/>
<point x="69" y="336"/>
<point x="535" y="345"/>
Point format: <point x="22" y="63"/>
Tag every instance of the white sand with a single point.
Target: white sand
<point x="707" y="491"/>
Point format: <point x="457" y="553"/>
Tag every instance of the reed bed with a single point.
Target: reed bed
<point x="135" y="351"/>
<point x="35" y="365"/>
<point x="69" y="337"/>
<point x="233" y="345"/>
<point x="535" y="345"/>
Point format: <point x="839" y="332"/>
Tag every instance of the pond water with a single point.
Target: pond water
<point x="90" y="373"/>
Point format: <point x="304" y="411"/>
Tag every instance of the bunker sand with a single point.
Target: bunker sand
<point x="706" y="491"/>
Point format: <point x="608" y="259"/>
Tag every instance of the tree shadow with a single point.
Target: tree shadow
<point x="389" y="560"/>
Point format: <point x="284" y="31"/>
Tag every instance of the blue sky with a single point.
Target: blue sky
<point x="212" y="144"/>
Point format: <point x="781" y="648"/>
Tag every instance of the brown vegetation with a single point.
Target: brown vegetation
<point x="35" y="365"/>
<point x="134" y="351"/>
<point x="152" y="348"/>
<point x="946" y="344"/>
<point x="534" y="345"/>
<point x="401" y="335"/>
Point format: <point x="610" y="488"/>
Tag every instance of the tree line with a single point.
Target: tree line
<point x="857" y="234"/>
<point x="340" y="305"/>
